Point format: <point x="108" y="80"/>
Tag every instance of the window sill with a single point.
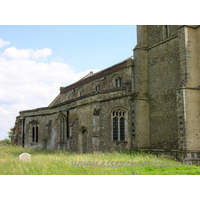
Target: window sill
<point x="119" y="142"/>
<point x="62" y="142"/>
<point x="65" y="142"/>
<point x="34" y="143"/>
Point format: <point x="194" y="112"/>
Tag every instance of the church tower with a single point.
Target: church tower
<point x="166" y="87"/>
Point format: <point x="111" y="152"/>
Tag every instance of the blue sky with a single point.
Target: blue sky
<point x="36" y="60"/>
<point x="81" y="46"/>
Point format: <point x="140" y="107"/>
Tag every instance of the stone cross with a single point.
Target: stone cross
<point x="25" y="157"/>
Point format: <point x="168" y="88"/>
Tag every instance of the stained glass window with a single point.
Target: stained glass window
<point x="118" y="117"/>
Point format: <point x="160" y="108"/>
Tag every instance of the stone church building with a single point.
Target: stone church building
<point x="149" y="101"/>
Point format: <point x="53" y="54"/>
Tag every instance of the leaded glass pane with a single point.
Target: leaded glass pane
<point x="33" y="134"/>
<point x="122" y="129"/>
<point x="36" y="133"/>
<point x="115" y="129"/>
<point x="120" y="82"/>
<point x="67" y="131"/>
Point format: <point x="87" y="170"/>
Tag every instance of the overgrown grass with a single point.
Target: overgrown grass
<point x="59" y="163"/>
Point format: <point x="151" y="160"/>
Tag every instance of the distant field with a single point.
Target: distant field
<point x="45" y="162"/>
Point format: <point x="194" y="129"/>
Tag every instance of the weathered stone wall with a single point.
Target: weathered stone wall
<point x="156" y="33"/>
<point x="163" y="68"/>
<point x="47" y="131"/>
<point x="163" y="63"/>
<point x="156" y="78"/>
<point x="173" y="30"/>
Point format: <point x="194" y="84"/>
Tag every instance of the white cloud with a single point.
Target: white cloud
<point x="18" y="54"/>
<point x="24" y="54"/>
<point x="41" y="53"/>
<point x="3" y="43"/>
<point x="27" y="84"/>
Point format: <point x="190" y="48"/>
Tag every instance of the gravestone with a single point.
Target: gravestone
<point x="25" y="157"/>
<point x="189" y="156"/>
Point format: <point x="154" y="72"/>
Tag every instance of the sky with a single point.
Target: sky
<point x="35" y="61"/>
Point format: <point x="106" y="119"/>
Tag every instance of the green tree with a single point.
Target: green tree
<point x="10" y="133"/>
<point x="7" y="140"/>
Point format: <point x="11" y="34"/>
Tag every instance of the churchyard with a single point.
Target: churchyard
<point x="48" y="162"/>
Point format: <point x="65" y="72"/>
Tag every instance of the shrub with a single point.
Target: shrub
<point x="7" y="141"/>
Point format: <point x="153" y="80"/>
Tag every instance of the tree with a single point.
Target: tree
<point x="10" y="133"/>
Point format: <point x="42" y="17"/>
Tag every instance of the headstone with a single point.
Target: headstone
<point x="25" y="157"/>
<point x="189" y="155"/>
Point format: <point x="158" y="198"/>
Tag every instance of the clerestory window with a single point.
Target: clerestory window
<point x="97" y="88"/>
<point x="80" y="92"/>
<point x="118" y="82"/>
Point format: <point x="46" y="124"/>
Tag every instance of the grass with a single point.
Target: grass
<point x="47" y="162"/>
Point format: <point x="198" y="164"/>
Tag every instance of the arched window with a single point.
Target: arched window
<point x="118" y="121"/>
<point x="63" y="126"/>
<point x="34" y="132"/>
<point x="118" y="82"/>
<point x="68" y="97"/>
<point x="80" y="92"/>
<point x="96" y="87"/>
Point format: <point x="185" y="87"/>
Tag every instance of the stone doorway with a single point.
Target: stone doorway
<point x="83" y="140"/>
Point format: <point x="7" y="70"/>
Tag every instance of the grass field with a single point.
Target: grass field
<point x="46" y="162"/>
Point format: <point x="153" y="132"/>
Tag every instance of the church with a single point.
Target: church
<point x="149" y="101"/>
